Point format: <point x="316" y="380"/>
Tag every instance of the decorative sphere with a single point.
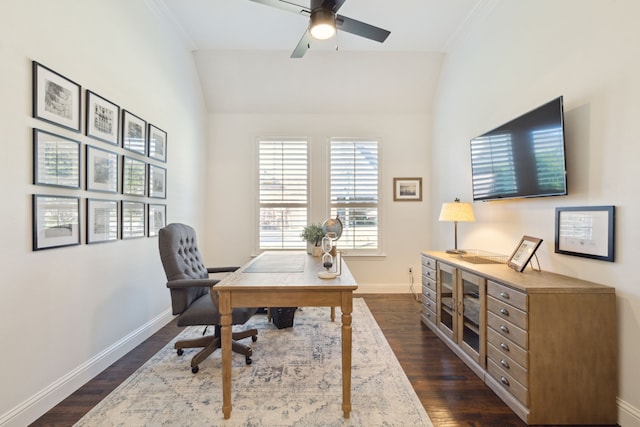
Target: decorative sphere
<point x="334" y="226"/>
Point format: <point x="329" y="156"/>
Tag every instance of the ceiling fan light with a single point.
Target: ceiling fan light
<point x="323" y="24"/>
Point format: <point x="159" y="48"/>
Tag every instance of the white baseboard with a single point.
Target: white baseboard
<point x="386" y="288"/>
<point x="628" y="415"/>
<point x="38" y="404"/>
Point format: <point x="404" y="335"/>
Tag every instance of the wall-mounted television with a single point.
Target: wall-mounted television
<point x="524" y="157"/>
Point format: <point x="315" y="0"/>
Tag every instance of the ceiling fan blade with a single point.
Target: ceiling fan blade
<point x="361" y="29"/>
<point x="285" y="5"/>
<point x="303" y="45"/>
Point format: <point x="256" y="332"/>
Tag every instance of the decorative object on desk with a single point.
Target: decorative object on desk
<point x="331" y="259"/>
<point x="312" y="234"/>
<point x="586" y="232"/>
<point x="523" y="253"/>
<point x="332" y="226"/>
<point x="56" y="99"/>
<point x="456" y="212"/>
<point x="295" y="381"/>
<point x="407" y="189"/>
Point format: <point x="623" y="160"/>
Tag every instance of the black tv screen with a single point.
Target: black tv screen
<point x="524" y="157"/>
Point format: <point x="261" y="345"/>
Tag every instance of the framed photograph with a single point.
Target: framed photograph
<point x="407" y="189"/>
<point x="157" y="143"/>
<point x="56" y="160"/>
<point x="134" y="176"/>
<point x="102" y="220"/>
<point x="103" y="118"/>
<point x="523" y="252"/>
<point x="56" y="221"/>
<point x="56" y="99"/>
<point x="586" y="232"/>
<point x="132" y="219"/>
<point x="157" y="219"/>
<point x="134" y="133"/>
<point x="157" y="182"/>
<point x="102" y="170"/>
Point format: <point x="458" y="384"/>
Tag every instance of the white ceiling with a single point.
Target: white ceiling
<point x="242" y="53"/>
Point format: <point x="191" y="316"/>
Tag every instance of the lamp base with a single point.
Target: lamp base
<point x="456" y="251"/>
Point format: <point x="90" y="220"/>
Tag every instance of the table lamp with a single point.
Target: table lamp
<point x="456" y="212"/>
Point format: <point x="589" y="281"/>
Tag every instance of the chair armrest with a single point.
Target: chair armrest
<point x="221" y="269"/>
<point x="191" y="283"/>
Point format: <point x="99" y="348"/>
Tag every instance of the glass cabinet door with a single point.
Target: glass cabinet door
<point x="447" y="298"/>
<point x="471" y="305"/>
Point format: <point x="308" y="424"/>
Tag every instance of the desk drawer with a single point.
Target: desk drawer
<point x="508" y="295"/>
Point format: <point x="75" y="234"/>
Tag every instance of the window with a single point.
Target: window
<point x="283" y="192"/>
<point x="354" y="191"/>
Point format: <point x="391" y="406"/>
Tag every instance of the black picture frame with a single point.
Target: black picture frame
<point x="157" y="147"/>
<point x="56" y="99"/>
<point x="156" y="218"/>
<point x="102" y="170"/>
<point x="586" y="231"/>
<point x="56" y="160"/>
<point x="134" y="176"/>
<point x="102" y="220"/>
<point x="133" y="221"/>
<point x="523" y="253"/>
<point x="157" y="182"/>
<point x="102" y="118"/>
<point x="134" y="133"/>
<point x="56" y="221"/>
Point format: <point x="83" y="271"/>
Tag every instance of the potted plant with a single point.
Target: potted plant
<point x="312" y="234"/>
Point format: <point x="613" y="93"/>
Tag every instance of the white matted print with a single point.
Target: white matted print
<point x="103" y="118"/>
<point x="102" y="220"/>
<point x="157" y="218"/>
<point x="56" y="99"/>
<point x="157" y="143"/>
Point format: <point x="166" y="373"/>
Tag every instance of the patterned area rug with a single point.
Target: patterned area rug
<point x="294" y="380"/>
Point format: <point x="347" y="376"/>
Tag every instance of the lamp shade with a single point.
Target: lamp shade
<point x="323" y="24"/>
<point x="457" y="211"/>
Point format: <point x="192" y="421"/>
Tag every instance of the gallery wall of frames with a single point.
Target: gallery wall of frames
<point x="120" y="162"/>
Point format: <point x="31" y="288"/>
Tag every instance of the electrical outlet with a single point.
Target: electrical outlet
<point x="410" y="270"/>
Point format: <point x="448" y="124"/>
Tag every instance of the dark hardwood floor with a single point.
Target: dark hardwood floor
<point x="451" y="393"/>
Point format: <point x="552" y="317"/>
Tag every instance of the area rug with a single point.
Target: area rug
<point x="294" y="380"/>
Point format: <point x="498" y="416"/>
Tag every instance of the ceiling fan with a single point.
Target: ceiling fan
<point x="324" y="21"/>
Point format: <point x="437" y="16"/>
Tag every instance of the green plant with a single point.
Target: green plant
<point x="312" y="233"/>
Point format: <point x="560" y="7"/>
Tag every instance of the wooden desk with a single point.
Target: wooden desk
<point x="285" y="279"/>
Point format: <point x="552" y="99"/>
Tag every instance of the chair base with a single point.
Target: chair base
<point x="211" y="343"/>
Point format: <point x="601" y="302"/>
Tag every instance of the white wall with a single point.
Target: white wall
<point x="232" y="185"/>
<point x="517" y="57"/>
<point x="68" y="313"/>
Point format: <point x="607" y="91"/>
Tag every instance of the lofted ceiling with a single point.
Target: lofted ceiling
<point x="242" y="48"/>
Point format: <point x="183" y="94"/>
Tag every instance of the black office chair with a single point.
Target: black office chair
<point x="191" y="299"/>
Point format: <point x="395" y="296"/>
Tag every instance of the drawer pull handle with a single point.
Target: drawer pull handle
<point x="504" y="346"/>
<point x="504" y="311"/>
<point x="504" y="329"/>
<point x="504" y="381"/>
<point x="504" y="295"/>
<point x="428" y="314"/>
<point x="428" y="304"/>
<point x="504" y="363"/>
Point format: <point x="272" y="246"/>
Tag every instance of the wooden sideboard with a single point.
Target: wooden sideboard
<point x="544" y="343"/>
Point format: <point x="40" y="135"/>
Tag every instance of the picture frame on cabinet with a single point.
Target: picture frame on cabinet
<point x="102" y="118"/>
<point x="56" y="99"/>
<point x="102" y="220"/>
<point x="132" y="219"/>
<point x="134" y="176"/>
<point x="157" y="218"/>
<point x="523" y="253"/>
<point x="586" y="231"/>
<point x="157" y="148"/>
<point x="56" y="221"/>
<point x="157" y="182"/>
<point x="407" y="189"/>
<point x="56" y="160"/>
<point x="102" y="170"/>
<point x="134" y="133"/>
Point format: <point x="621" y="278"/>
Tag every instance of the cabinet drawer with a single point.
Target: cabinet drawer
<point x="508" y="330"/>
<point x="428" y="262"/>
<point x="429" y="294"/>
<point x="508" y="382"/>
<point x="508" y="364"/>
<point x="506" y="294"/>
<point x="507" y="312"/>
<point x="508" y="348"/>
<point x="428" y="273"/>
<point x="429" y="283"/>
<point x="428" y="303"/>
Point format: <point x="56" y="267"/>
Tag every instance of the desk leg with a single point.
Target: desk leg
<point x="224" y="305"/>
<point x="347" y="308"/>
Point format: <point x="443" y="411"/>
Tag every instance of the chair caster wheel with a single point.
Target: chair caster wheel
<point x="195" y="369"/>
<point x="254" y="338"/>
<point x="248" y="360"/>
<point x="180" y="352"/>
